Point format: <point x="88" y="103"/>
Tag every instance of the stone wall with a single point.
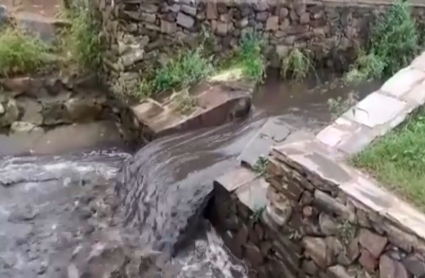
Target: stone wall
<point x="315" y="214"/>
<point x="141" y="34"/>
<point x="32" y="104"/>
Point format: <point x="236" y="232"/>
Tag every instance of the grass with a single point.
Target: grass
<point x="186" y="69"/>
<point x="398" y="159"/>
<point x="296" y="65"/>
<point x="250" y="57"/>
<point x="393" y="44"/>
<point x="81" y="41"/>
<point x="20" y="52"/>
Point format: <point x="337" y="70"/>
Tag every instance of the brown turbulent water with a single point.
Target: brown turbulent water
<point x="56" y="212"/>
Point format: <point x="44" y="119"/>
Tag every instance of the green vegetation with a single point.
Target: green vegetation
<point x="260" y="166"/>
<point x="257" y="214"/>
<point x="186" y="103"/>
<point x="249" y="56"/>
<point x="296" y="65"/>
<point x="398" y="159"/>
<point x="394" y="43"/>
<point x="81" y="42"/>
<point x="19" y="52"/>
<point x="185" y="70"/>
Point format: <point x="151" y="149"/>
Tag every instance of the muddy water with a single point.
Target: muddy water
<point x="48" y="8"/>
<point x="56" y="216"/>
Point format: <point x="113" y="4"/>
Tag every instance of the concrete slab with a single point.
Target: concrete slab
<point x="253" y="194"/>
<point x="272" y="133"/>
<point x="376" y="109"/>
<point x="403" y="81"/>
<point x="236" y="178"/>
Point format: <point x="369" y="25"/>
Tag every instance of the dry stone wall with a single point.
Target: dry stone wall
<point x="319" y="216"/>
<point x="142" y="34"/>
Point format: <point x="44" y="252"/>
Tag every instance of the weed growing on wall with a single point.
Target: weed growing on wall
<point x="81" y="41"/>
<point x="186" y="69"/>
<point x="249" y="55"/>
<point x="260" y="166"/>
<point x="296" y="65"/>
<point x="393" y="44"/>
<point x="20" y="52"/>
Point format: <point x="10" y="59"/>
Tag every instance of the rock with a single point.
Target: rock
<point x="149" y="8"/>
<point x="374" y="243"/>
<point x="389" y="268"/>
<point x="222" y="28"/>
<point x="368" y="261"/>
<point x="25" y="127"/>
<point x="318" y="250"/>
<point x="338" y="271"/>
<point x="253" y="254"/>
<point x="2" y="110"/>
<point x="168" y="27"/>
<point x="305" y="18"/>
<point x="272" y="23"/>
<point x="188" y="9"/>
<point x="310" y="267"/>
<point x="185" y="20"/>
<point x="282" y="51"/>
<point x="211" y="10"/>
<point x="11" y="115"/>
<point x="334" y="245"/>
<point x="132" y="57"/>
<point x="26" y="213"/>
<point x="327" y="224"/>
<point x="283" y="13"/>
<point x="330" y="205"/>
<point x="242" y="236"/>
<point x="262" y="17"/>
<point x="32" y="111"/>
<point x="242" y="23"/>
<point x="82" y="110"/>
<point x="415" y="264"/>
<point x="4" y="14"/>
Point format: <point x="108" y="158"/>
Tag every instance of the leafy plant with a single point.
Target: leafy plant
<point x="81" y="42"/>
<point x="296" y="65"/>
<point x="394" y="43"/>
<point x="19" y="51"/>
<point x="258" y="212"/>
<point x="260" y="166"/>
<point x="251" y="58"/>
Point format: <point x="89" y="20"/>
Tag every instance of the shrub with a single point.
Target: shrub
<point x="296" y="65"/>
<point x="19" y="52"/>
<point x="249" y="56"/>
<point x="394" y="43"/>
<point x="81" y="41"/>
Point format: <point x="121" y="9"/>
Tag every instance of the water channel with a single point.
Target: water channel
<point x="73" y="214"/>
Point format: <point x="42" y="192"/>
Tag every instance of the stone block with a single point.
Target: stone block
<point x="369" y="262"/>
<point x="419" y="62"/>
<point x="389" y="268"/>
<point x="374" y="243"/>
<point x="328" y="204"/>
<point x="415" y="264"/>
<point x="270" y="134"/>
<point x="211" y="10"/>
<point x="338" y="271"/>
<point x="272" y="23"/>
<point x="236" y="178"/>
<point x="190" y="10"/>
<point x="185" y="21"/>
<point x="333" y="134"/>
<point x="168" y="27"/>
<point x="253" y="194"/>
<point x="317" y="249"/>
<point x="416" y="95"/>
<point x="365" y="111"/>
<point x="403" y="81"/>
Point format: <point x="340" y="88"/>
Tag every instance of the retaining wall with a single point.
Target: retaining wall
<point x="139" y="35"/>
<point x="330" y="219"/>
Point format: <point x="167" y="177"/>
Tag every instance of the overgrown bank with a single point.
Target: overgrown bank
<point x="398" y="159"/>
<point x="394" y="41"/>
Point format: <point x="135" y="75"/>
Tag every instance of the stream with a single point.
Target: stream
<point x="104" y="212"/>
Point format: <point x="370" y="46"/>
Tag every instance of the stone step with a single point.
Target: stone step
<point x="271" y="133"/>
<point x="213" y="106"/>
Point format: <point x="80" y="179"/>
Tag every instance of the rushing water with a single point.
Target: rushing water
<point x="47" y="220"/>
